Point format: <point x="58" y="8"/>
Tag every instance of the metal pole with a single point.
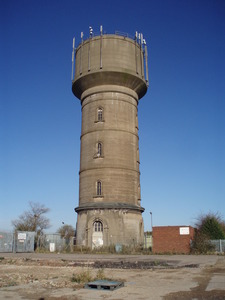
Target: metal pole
<point x="89" y="55"/>
<point x="101" y="51"/>
<point x="73" y="58"/>
<point x="82" y="35"/>
<point x="14" y="241"/>
<point x="142" y="60"/>
<point x="136" y="37"/>
<point x="152" y="229"/>
<point x="146" y="64"/>
<point x="151" y="219"/>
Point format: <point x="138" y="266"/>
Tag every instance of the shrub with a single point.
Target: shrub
<point x="201" y="243"/>
<point x="82" y="277"/>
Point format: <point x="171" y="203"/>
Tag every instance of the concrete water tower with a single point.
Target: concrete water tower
<point x="111" y="76"/>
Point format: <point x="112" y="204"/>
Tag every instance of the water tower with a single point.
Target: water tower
<point x="111" y="76"/>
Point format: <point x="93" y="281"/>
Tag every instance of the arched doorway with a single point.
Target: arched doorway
<point x="97" y="234"/>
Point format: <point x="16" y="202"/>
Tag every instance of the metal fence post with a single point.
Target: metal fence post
<point x="14" y="242"/>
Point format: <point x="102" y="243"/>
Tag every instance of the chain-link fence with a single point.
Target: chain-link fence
<point x="24" y="241"/>
<point x="6" y="241"/>
<point x="28" y="242"/>
<point x="219" y="245"/>
<point x="54" y="242"/>
<point x="147" y="240"/>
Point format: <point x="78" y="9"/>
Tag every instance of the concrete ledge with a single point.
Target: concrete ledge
<point x="125" y="206"/>
<point x="105" y="77"/>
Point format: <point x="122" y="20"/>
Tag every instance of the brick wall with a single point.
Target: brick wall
<point x="172" y="239"/>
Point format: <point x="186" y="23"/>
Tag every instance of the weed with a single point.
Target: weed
<point x="82" y="277"/>
<point x="86" y="276"/>
<point x="100" y="275"/>
<point x="27" y="259"/>
<point x="11" y="283"/>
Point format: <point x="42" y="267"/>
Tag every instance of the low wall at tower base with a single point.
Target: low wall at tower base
<point x="119" y="227"/>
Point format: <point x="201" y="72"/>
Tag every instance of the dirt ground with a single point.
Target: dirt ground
<point x="49" y="277"/>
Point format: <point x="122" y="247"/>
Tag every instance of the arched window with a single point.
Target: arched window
<point x="139" y="192"/>
<point x="98" y="227"/>
<point x="99" y="150"/>
<point x="100" y="114"/>
<point x="99" y="188"/>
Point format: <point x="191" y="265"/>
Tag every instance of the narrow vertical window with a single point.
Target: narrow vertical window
<point x="100" y="114"/>
<point x="99" y="188"/>
<point x="139" y="192"/>
<point x="138" y="156"/>
<point x="136" y="125"/>
<point x="99" y="153"/>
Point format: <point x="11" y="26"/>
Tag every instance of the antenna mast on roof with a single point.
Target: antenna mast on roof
<point x="73" y="52"/>
<point x="146" y="60"/>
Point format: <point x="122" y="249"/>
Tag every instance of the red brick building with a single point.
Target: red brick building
<point x="172" y="239"/>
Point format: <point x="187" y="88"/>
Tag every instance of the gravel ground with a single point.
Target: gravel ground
<point x="62" y="276"/>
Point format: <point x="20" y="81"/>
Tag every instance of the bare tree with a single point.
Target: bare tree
<point x="66" y="231"/>
<point x="33" y="219"/>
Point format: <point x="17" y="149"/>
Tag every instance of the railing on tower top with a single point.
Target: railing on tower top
<point x="138" y="37"/>
<point x="120" y="33"/>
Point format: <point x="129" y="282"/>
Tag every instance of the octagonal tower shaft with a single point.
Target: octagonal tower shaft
<point x="109" y="80"/>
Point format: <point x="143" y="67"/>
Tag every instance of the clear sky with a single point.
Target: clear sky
<point x="181" y="118"/>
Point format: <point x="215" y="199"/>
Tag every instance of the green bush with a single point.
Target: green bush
<point x="208" y="227"/>
<point x="212" y="228"/>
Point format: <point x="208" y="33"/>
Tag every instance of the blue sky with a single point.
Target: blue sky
<point x="181" y="118"/>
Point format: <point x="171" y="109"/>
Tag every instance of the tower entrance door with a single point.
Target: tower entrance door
<point x="97" y="235"/>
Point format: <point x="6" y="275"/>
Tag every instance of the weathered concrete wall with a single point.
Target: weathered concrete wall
<point x="119" y="226"/>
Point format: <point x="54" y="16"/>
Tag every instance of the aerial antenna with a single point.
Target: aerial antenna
<point x="101" y="46"/>
<point x="81" y="35"/>
<point x="90" y="31"/>
<point x="141" y="38"/>
<point x="136" y="35"/>
<point x="73" y="52"/>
